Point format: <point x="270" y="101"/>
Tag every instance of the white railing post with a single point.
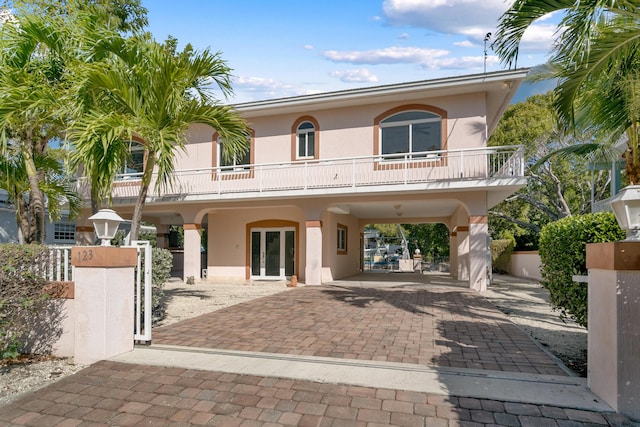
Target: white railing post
<point x="143" y="281"/>
<point x="353" y="173"/>
<point x="406" y="169"/>
<point x="260" y="178"/>
<point x="461" y="172"/>
<point x="306" y="166"/>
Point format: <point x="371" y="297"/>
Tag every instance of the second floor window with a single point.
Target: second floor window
<point x="306" y="140"/>
<point x="234" y="162"/>
<point x="411" y="132"/>
<point x="135" y="163"/>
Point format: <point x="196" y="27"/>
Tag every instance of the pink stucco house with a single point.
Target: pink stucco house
<point x="321" y="167"/>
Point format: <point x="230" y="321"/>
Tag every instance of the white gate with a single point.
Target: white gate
<point x="143" y="287"/>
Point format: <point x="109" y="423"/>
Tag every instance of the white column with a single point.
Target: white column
<point x="614" y="315"/>
<point x="453" y="254"/>
<point x="478" y="233"/>
<point x="191" y="268"/>
<point x="162" y="236"/>
<point x="104" y="302"/>
<point x="313" y="268"/>
<point x="463" y="252"/>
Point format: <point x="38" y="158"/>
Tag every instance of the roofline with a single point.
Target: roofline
<point x="397" y="88"/>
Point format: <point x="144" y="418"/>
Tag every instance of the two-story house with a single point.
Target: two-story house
<point x="321" y="167"/>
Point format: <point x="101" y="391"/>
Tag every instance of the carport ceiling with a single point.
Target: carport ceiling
<point x="398" y="209"/>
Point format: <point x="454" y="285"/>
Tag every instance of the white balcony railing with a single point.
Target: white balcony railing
<point x="346" y="173"/>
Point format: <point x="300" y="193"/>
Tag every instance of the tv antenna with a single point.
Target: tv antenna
<point x="486" y="39"/>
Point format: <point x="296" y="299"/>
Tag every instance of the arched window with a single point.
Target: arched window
<point x="306" y="137"/>
<point x="410" y="132"/>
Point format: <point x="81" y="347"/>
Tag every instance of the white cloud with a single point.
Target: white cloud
<point x="264" y="88"/>
<point x="465" y="43"/>
<point x="433" y="59"/>
<point x="403" y="36"/>
<point x="361" y="75"/>
<point x="390" y="55"/>
<point x="538" y="38"/>
<point x="473" y="18"/>
<point x="308" y="46"/>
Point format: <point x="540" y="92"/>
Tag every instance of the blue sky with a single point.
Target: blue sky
<point x="282" y="48"/>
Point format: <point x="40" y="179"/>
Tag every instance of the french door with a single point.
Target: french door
<point x="272" y="253"/>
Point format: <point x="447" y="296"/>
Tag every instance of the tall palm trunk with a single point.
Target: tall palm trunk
<point x="632" y="155"/>
<point x="36" y="200"/>
<point x="149" y="166"/>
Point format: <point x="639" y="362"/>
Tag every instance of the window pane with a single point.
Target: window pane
<point x="310" y="144"/>
<point x="302" y="146"/>
<point x="426" y="137"/>
<point x="410" y="115"/>
<point x="246" y="158"/>
<point x="305" y="125"/>
<point x="395" y="140"/>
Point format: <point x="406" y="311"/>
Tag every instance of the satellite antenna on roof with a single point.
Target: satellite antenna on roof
<point x="486" y="39"/>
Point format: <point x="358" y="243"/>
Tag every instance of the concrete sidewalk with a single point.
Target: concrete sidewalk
<point x="377" y="350"/>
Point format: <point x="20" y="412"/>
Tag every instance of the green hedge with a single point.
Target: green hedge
<point x="501" y="255"/>
<point x="563" y="254"/>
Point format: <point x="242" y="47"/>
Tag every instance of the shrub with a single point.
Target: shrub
<point x="563" y="254"/>
<point x="161" y="263"/>
<point x="23" y="295"/>
<point x="501" y="255"/>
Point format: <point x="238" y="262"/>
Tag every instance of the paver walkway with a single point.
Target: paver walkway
<point x="447" y="328"/>
<point x="109" y="393"/>
<point x="441" y="326"/>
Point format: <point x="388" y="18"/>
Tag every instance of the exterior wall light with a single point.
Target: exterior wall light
<point x="106" y="223"/>
<point x="626" y="208"/>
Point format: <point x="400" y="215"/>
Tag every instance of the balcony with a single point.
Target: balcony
<point x="469" y="168"/>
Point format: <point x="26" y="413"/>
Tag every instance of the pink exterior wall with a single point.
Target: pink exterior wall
<point x="340" y="265"/>
<point x="344" y="132"/>
<point x="227" y="251"/>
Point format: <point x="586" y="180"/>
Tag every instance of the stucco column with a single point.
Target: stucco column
<point x="104" y="301"/>
<point x="191" y="267"/>
<point x="453" y="254"/>
<point x="162" y="236"/>
<point x="313" y="269"/>
<point x="463" y="251"/>
<point x="614" y="316"/>
<point x="478" y="252"/>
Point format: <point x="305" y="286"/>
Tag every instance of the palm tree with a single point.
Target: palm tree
<point x="148" y="90"/>
<point x="31" y="82"/>
<point x="55" y="185"/>
<point x="596" y="58"/>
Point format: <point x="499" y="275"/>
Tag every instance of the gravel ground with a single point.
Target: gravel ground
<point x="524" y="301"/>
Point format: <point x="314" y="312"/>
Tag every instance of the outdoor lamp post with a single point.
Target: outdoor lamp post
<point x="626" y="208"/>
<point x="106" y="223"/>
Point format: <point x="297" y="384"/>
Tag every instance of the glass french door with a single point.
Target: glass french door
<point x="272" y="253"/>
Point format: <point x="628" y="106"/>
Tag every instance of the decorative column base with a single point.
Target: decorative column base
<point x="614" y="316"/>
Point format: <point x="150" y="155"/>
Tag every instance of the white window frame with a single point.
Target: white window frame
<point x="305" y="134"/>
<point x="235" y="166"/>
<point x="409" y="124"/>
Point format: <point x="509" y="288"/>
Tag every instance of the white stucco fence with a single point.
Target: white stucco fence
<point x="525" y="264"/>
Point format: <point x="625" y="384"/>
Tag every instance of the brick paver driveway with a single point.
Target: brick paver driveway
<point x="415" y="323"/>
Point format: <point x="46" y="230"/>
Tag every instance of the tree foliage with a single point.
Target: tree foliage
<point x="596" y="59"/>
<point x="556" y="188"/>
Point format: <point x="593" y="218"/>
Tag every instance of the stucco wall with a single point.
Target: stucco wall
<point x="343" y="132"/>
<point x="341" y="264"/>
<point x="525" y="264"/>
<point x="227" y="246"/>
